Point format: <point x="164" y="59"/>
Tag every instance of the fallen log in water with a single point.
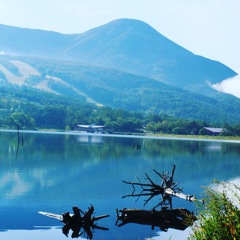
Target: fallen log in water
<point x="179" y="218"/>
<point x="181" y="195"/>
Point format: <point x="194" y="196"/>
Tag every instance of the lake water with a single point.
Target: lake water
<point x="54" y="172"/>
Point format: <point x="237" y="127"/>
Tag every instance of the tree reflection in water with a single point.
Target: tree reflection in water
<point x="55" y="171"/>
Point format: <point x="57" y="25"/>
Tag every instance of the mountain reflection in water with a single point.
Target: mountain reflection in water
<point x="54" y="172"/>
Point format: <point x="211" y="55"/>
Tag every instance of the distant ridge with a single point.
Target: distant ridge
<point x="125" y="44"/>
<point x="123" y="64"/>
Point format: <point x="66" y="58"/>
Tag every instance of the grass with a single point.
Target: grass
<point x="222" y="138"/>
<point x="219" y="217"/>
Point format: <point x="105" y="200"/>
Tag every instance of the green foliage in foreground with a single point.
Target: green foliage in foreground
<point x="219" y="217"/>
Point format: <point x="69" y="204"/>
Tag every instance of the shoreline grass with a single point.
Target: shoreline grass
<point x="207" y="137"/>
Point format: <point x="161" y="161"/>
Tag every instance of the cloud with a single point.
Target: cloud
<point x="14" y="186"/>
<point x="230" y="85"/>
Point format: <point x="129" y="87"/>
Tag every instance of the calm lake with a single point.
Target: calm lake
<point x="53" y="172"/>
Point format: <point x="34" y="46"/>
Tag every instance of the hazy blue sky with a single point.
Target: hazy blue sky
<point x="209" y="28"/>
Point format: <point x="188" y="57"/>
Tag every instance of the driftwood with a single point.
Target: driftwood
<point x="75" y="222"/>
<point x="179" y="218"/>
<point x="166" y="189"/>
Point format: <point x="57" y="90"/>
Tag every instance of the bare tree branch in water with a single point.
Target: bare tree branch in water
<point x="20" y="140"/>
<point x="166" y="189"/>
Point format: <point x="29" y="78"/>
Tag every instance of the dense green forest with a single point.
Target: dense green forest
<point x="137" y="93"/>
<point x="34" y="109"/>
<point x="119" y="90"/>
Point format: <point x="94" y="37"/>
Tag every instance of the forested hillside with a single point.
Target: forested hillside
<point x="115" y="74"/>
<point x="117" y="89"/>
<point x="33" y="109"/>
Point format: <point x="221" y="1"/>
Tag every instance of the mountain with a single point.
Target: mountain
<point x="133" y="46"/>
<point x="124" y="64"/>
<point x="125" y="44"/>
<point x="110" y="87"/>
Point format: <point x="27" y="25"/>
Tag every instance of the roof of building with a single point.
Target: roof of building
<point x="214" y="130"/>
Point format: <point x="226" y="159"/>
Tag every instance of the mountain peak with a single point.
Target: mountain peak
<point x="128" y="45"/>
<point x="132" y="29"/>
<point x="128" y="23"/>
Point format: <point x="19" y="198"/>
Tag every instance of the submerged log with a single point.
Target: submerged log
<point x="179" y="218"/>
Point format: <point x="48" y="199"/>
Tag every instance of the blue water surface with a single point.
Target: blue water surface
<point x="53" y="172"/>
